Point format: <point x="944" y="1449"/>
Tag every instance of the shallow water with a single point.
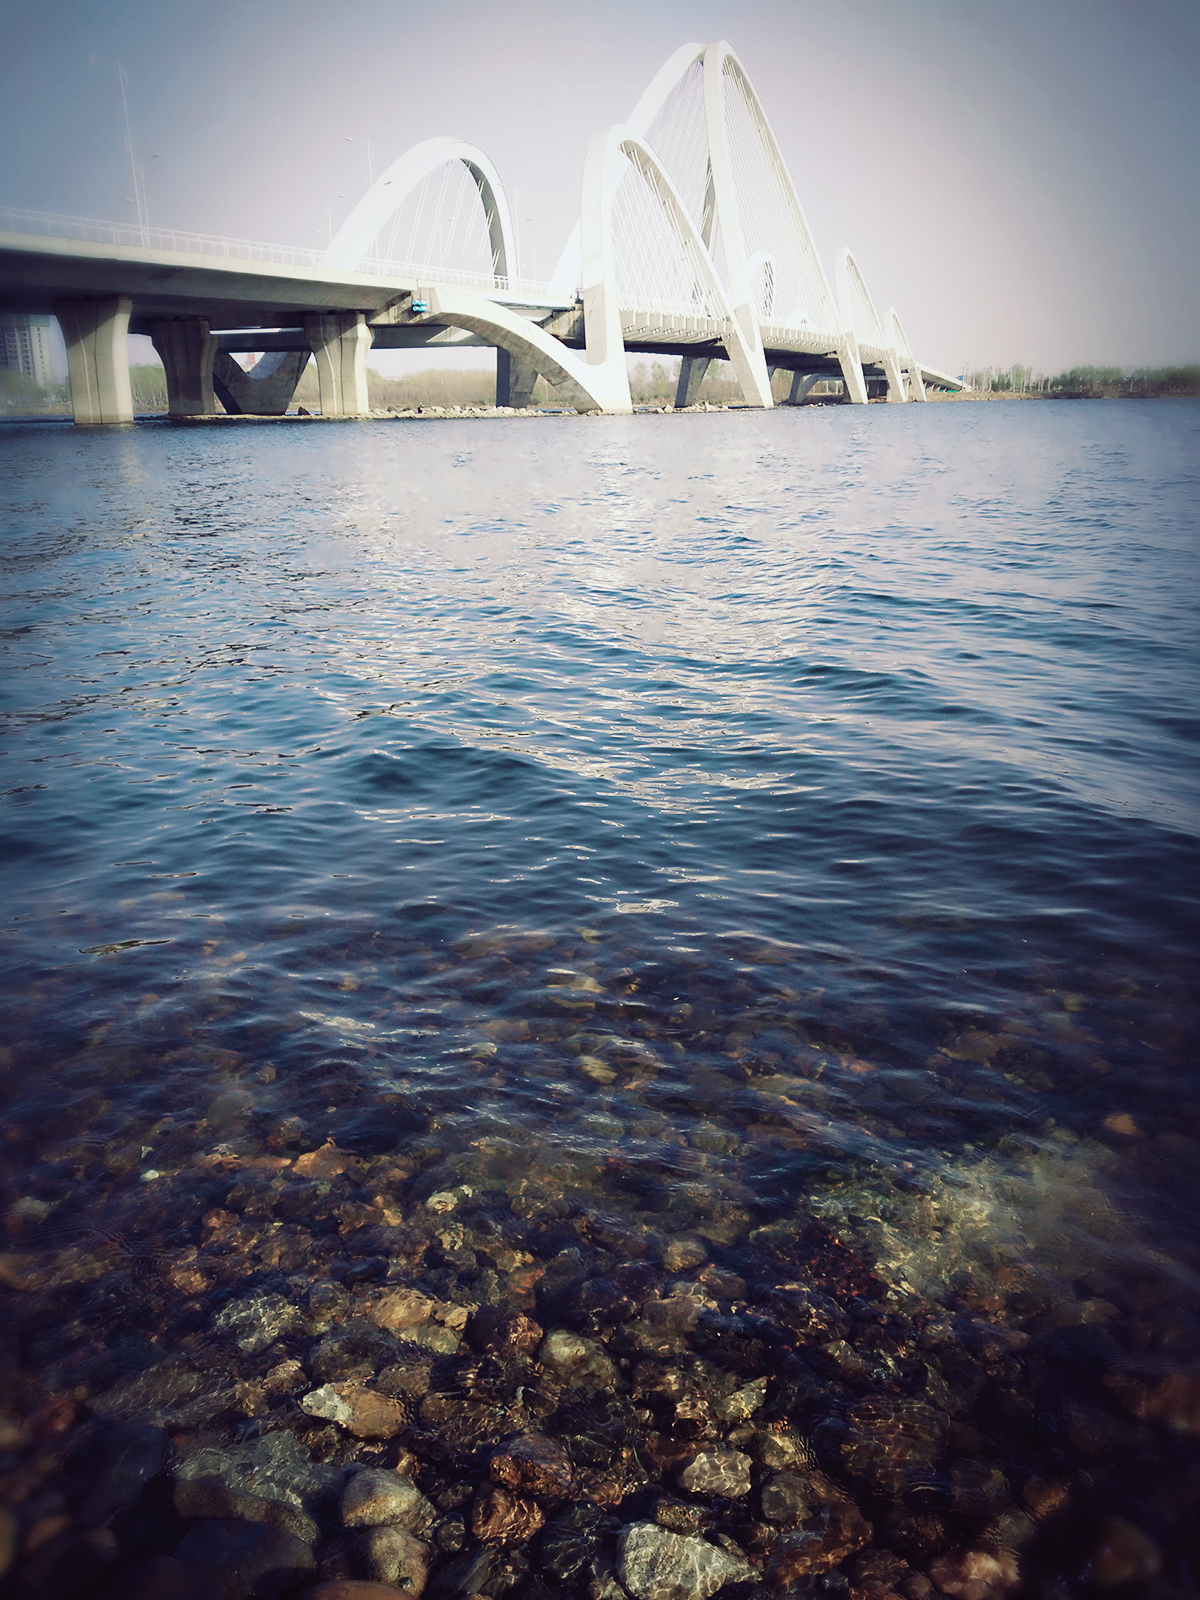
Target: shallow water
<point x="751" y="849"/>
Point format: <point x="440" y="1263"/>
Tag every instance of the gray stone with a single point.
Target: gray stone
<point x="491" y="1570"/>
<point x="245" y="1558"/>
<point x="211" y="1499"/>
<point x="717" y="1472"/>
<point x="786" y="1499"/>
<point x="256" y="1321"/>
<point x="381" y="1498"/>
<point x="362" y="1412"/>
<point x="656" y="1565"/>
<point x="393" y="1555"/>
<point x="578" y="1362"/>
<point x="276" y="1466"/>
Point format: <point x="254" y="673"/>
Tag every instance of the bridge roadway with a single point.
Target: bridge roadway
<point x="201" y="299"/>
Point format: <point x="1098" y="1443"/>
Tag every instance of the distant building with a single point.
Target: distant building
<point x="25" y="347"/>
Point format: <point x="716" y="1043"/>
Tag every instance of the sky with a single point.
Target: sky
<point x="1016" y="177"/>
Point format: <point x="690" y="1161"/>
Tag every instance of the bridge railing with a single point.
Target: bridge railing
<point x="128" y="235"/>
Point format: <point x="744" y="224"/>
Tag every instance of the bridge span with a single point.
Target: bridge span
<point x="691" y="242"/>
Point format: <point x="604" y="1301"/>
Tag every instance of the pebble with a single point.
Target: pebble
<point x="256" y="1321"/>
<point x="380" y="1498"/>
<point x="362" y="1412"/>
<point x="532" y="1463"/>
<point x="394" y="1555"/>
<point x="654" y="1564"/>
<point x="245" y="1558"/>
<point x="1173" y="1399"/>
<point x="492" y="1571"/>
<point x="580" y="1363"/>
<point x="1124" y="1554"/>
<point x="833" y="1529"/>
<point x="977" y="1574"/>
<point x="500" y="1517"/>
<point x="717" y="1472"/>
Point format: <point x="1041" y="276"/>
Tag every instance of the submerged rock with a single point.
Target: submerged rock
<point x="394" y="1555"/>
<point x="654" y="1564"/>
<point x="532" y="1463"/>
<point x="379" y="1498"/>
<point x="209" y="1499"/>
<point x="717" y="1472"/>
<point x="578" y="1362"/>
<point x="362" y="1412"/>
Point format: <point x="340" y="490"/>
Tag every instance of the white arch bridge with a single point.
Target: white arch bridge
<point x="691" y="242"/>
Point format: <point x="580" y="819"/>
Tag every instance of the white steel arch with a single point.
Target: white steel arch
<point x="607" y="159"/>
<point x="861" y="319"/>
<point x="906" y="359"/>
<point x="388" y="193"/>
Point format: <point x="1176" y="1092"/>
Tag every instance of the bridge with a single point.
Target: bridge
<point x="691" y="242"/>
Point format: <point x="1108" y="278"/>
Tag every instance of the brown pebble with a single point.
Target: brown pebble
<point x="531" y="1463"/>
<point x="1125" y="1554"/>
<point x="977" y="1574"/>
<point x="500" y="1517"/>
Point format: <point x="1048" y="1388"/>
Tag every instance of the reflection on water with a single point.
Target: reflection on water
<point x="635" y="971"/>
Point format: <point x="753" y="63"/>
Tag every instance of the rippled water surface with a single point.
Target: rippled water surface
<point x="721" y="886"/>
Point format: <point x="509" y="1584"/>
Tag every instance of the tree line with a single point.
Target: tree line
<point x="1099" y="383"/>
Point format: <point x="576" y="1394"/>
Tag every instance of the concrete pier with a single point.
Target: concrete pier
<point x="340" y="341"/>
<point x="266" y="390"/>
<point x="96" y="336"/>
<point x="186" y="348"/>
<point x="515" y="379"/>
<point x="692" y="370"/>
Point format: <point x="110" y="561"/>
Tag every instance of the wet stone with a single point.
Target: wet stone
<point x="786" y="1499"/>
<point x="725" y="1473"/>
<point x="832" y="1528"/>
<point x="498" y="1516"/>
<point x="532" y="1463"/>
<point x="491" y="1571"/>
<point x="977" y="1574"/>
<point x="207" y="1498"/>
<point x="492" y="1331"/>
<point x="354" y="1350"/>
<point x="655" y="1564"/>
<point x="379" y="1498"/>
<point x="578" y="1362"/>
<point x="394" y="1555"/>
<point x="256" y="1321"/>
<point x="245" y="1558"/>
<point x="361" y="1412"/>
<point x="1123" y="1554"/>
<point x="571" y="1542"/>
<point x="325" y="1306"/>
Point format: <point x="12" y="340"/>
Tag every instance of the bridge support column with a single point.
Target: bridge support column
<point x="802" y="384"/>
<point x="515" y="379"/>
<point x="916" y="384"/>
<point x="340" y="341"/>
<point x="96" y="336"/>
<point x="187" y="348"/>
<point x="692" y="371"/>
<point x="266" y="390"/>
<point x="897" y="391"/>
<point x="852" y="372"/>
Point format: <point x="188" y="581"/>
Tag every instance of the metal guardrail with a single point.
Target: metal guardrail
<point x="125" y="235"/>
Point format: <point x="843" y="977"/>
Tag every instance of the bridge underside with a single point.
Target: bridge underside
<point x="200" y="310"/>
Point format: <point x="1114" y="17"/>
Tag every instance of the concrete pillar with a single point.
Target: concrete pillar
<point x="266" y="390"/>
<point x="916" y="384"/>
<point x="896" y="391"/>
<point x="515" y="379"/>
<point x="186" y="348"/>
<point x="802" y="383"/>
<point x="692" y="370"/>
<point x="96" y="336"/>
<point x="852" y="372"/>
<point x="340" y="341"/>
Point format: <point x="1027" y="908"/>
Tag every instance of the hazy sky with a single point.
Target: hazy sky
<point x="1018" y="177"/>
